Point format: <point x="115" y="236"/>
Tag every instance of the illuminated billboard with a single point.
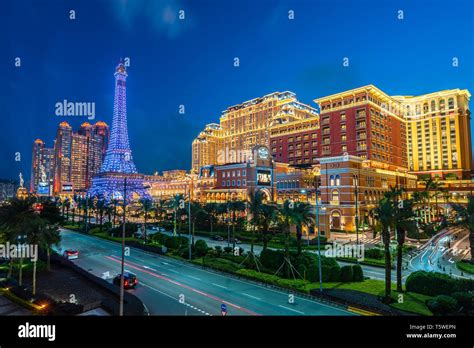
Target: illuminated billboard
<point x="264" y="177"/>
<point x="43" y="189"/>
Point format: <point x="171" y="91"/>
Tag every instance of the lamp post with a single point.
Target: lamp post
<point x="319" y="242"/>
<point x="123" y="246"/>
<point x="356" y="182"/>
<point x="189" y="225"/>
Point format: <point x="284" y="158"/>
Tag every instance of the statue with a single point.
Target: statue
<point x="21" y="180"/>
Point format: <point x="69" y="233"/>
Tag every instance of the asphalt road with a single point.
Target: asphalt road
<point x="171" y="287"/>
<point x="442" y="252"/>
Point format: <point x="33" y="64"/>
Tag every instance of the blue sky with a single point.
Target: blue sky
<point x="190" y="61"/>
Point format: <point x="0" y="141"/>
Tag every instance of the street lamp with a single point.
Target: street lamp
<point x="318" y="192"/>
<point x="123" y="246"/>
<point x="356" y="183"/>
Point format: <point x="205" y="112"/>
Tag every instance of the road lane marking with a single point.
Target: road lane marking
<point x="291" y="309"/>
<point x="185" y="286"/>
<point x="251" y="296"/>
<point x="170" y="296"/>
<point x="223" y="287"/>
<point x="190" y="276"/>
<point x="184" y="264"/>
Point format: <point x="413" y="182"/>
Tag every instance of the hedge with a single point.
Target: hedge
<point x="346" y="274"/>
<point x="433" y="283"/>
<point x="357" y="273"/>
<point x="442" y="305"/>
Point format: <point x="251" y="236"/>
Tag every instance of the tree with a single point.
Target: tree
<point x="146" y="206"/>
<point x="467" y="215"/>
<point x="255" y="207"/>
<point x="17" y="218"/>
<point x="268" y="215"/>
<point x="384" y="213"/>
<point x="287" y="218"/>
<point x="176" y="203"/>
<point x="211" y="210"/>
<point x="234" y="207"/>
<point x="304" y="217"/>
<point x="404" y="218"/>
<point x="197" y="211"/>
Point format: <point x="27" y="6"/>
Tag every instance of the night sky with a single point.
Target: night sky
<point x="190" y="62"/>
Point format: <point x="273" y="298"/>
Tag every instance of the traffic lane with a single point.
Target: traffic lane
<point x="137" y="262"/>
<point x="261" y="300"/>
<point x="271" y="303"/>
<point x="157" y="301"/>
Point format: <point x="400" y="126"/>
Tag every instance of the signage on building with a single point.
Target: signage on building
<point x="264" y="177"/>
<point x="66" y="188"/>
<point x="43" y="189"/>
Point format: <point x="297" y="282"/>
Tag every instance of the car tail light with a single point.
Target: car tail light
<point x="136" y="281"/>
<point x="126" y="283"/>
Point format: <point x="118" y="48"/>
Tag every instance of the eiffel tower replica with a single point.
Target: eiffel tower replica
<point x="118" y="173"/>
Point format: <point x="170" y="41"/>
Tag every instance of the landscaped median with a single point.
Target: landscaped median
<point x="465" y="267"/>
<point x="34" y="308"/>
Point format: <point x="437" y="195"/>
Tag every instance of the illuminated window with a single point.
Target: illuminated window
<point x="335" y="195"/>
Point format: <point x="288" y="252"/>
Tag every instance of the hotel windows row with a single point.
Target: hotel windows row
<point x="345" y="101"/>
<point x="432" y="107"/>
<point x="234" y="173"/>
<point x="228" y="183"/>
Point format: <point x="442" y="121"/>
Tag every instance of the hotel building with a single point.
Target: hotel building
<point x="68" y="167"/>
<point x="42" y="169"/>
<point x="244" y="126"/>
<point x="439" y="134"/>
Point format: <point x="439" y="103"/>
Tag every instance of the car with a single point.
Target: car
<point x="130" y="280"/>
<point x="235" y="240"/>
<point x="217" y="237"/>
<point x="71" y="254"/>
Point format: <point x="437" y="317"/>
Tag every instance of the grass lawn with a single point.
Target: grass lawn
<point x="465" y="267"/>
<point x="411" y="302"/>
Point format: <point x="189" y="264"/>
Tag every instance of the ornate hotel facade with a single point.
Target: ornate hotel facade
<point x="244" y="126"/>
<point x="362" y="143"/>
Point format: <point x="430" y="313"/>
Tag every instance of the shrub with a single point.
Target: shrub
<point x="200" y="248"/>
<point x="130" y="229"/>
<point x="442" y="305"/>
<point x="335" y="274"/>
<point x="228" y="249"/>
<point x="358" y="274"/>
<point x="374" y="253"/>
<point x="172" y="242"/>
<point x="346" y="274"/>
<point x="218" y="250"/>
<point x="464" y="300"/>
<point x="433" y="284"/>
<point x="271" y="259"/>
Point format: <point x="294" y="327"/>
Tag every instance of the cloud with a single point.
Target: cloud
<point x="162" y="16"/>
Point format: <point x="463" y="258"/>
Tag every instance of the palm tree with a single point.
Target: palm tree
<point x="175" y="204"/>
<point x="255" y="206"/>
<point x="384" y="213"/>
<point x="197" y="211"/>
<point x="51" y="237"/>
<point x="234" y="207"/>
<point x="211" y="210"/>
<point x="268" y="216"/>
<point x="287" y="219"/>
<point x="404" y="219"/>
<point x="304" y="216"/>
<point x="146" y="206"/>
<point x="17" y="217"/>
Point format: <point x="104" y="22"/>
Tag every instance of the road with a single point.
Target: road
<point x="442" y="251"/>
<point x="171" y="287"/>
<point x="369" y="271"/>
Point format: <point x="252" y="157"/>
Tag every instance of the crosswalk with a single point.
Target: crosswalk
<point x="369" y="241"/>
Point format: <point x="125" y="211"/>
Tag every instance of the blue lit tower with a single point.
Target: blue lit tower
<point x="118" y="162"/>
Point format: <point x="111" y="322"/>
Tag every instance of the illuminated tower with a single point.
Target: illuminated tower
<point x="118" y="163"/>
